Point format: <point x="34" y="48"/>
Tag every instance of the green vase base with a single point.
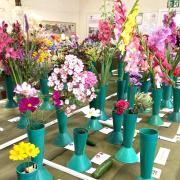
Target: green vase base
<point x="62" y="139"/>
<point x="155" y="120"/>
<point x="46" y="106"/>
<point x="115" y="138"/>
<point x="11" y="104"/>
<point x="166" y="104"/>
<point x="140" y="178"/>
<point x="103" y="116"/>
<point x="94" y="125"/>
<point x="44" y="174"/>
<point x="79" y="163"/>
<point x="174" y="117"/>
<point x="22" y="123"/>
<point x="126" y="155"/>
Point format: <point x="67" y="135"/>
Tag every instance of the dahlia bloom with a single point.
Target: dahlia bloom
<point x="121" y="106"/>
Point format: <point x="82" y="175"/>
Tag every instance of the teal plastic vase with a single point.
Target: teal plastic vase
<point x="115" y="137"/>
<point x="79" y="161"/>
<point x="145" y="86"/>
<point x="46" y="104"/>
<point x="126" y="77"/>
<point x="127" y="154"/>
<point x="94" y="103"/>
<point x="26" y="176"/>
<point x="155" y="119"/>
<point x="94" y="124"/>
<point x="148" y="143"/>
<point x="175" y="115"/>
<point x="36" y="137"/>
<point x="120" y="68"/>
<point x="166" y="99"/>
<point x="23" y="121"/>
<point x="120" y="89"/>
<point x="101" y="103"/>
<point x="11" y="103"/>
<point x="63" y="138"/>
<point x="132" y="90"/>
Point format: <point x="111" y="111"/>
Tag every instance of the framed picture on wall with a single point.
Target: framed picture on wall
<point x="56" y="27"/>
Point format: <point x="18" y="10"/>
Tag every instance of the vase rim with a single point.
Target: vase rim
<point x="148" y="131"/>
<point x="78" y="130"/>
<point x="40" y="126"/>
<point x="24" y="163"/>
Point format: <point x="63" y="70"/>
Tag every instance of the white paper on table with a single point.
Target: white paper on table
<point x="167" y="110"/>
<point x="100" y="157"/>
<point x="91" y="170"/>
<point x="106" y="130"/>
<point x="166" y="124"/>
<point x="1" y="129"/>
<point x="177" y="138"/>
<point x="15" y="119"/>
<point x="162" y="156"/>
<point x="161" y="114"/>
<point x="70" y="146"/>
<point x="173" y="140"/>
<point x="138" y="155"/>
<point x="178" y="131"/>
<point x="138" y="120"/>
<point x="156" y="173"/>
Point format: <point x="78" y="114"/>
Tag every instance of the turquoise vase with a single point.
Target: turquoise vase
<point x="126" y="77"/>
<point x="148" y="143"/>
<point x="155" y="119"/>
<point x="46" y="104"/>
<point x="101" y="103"/>
<point x="23" y="121"/>
<point x="115" y="137"/>
<point x="127" y="153"/>
<point x="120" y="68"/>
<point x="36" y="137"/>
<point x="26" y="176"/>
<point x="121" y="89"/>
<point x="132" y="90"/>
<point x="63" y="138"/>
<point x="175" y="115"/>
<point x="11" y="103"/>
<point x="79" y="161"/>
<point x="166" y="100"/>
<point x="145" y="86"/>
<point x="94" y="124"/>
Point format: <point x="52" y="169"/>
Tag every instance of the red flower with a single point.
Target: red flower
<point x="28" y="104"/>
<point x="56" y="98"/>
<point x="121" y="106"/>
<point x="177" y="71"/>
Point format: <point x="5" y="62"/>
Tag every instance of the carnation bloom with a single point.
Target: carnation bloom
<point x="56" y="98"/>
<point x="25" y="89"/>
<point x="28" y="104"/>
<point x="121" y="106"/>
<point x="177" y="72"/>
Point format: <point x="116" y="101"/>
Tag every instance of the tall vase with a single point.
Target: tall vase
<point x="120" y="89"/>
<point x="155" y="119"/>
<point x="148" y="143"/>
<point x="101" y="103"/>
<point x="46" y="105"/>
<point x="63" y="138"/>
<point x="23" y="121"/>
<point x="145" y="86"/>
<point x="175" y="115"/>
<point x="120" y="68"/>
<point x="36" y="137"/>
<point x="115" y="137"/>
<point x="10" y="92"/>
<point x="166" y="100"/>
<point x="79" y="161"/>
<point x="132" y="90"/>
<point x="126" y="77"/>
<point x="94" y="124"/>
<point x="26" y="176"/>
<point x="127" y="153"/>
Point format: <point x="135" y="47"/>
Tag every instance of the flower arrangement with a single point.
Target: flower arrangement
<point x="72" y="85"/>
<point x="121" y="106"/>
<point x="91" y="112"/>
<point x="24" y="151"/>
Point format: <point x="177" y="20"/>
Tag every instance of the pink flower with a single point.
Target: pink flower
<point x="28" y="104"/>
<point x="177" y="72"/>
<point x="121" y="106"/>
<point x="56" y="99"/>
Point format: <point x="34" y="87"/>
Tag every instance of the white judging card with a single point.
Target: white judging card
<point x="138" y="155"/>
<point x="138" y="120"/>
<point x="173" y="140"/>
<point x="106" y="130"/>
<point x="1" y="129"/>
<point x="178" y="131"/>
<point x="162" y="156"/>
<point x="167" y="110"/>
<point x="91" y="170"/>
<point x="70" y="147"/>
<point x="109" y="122"/>
<point x="15" y="119"/>
<point x="177" y="138"/>
<point x="161" y="114"/>
<point x="156" y="173"/>
<point x="100" y="157"/>
<point x="166" y="124"/>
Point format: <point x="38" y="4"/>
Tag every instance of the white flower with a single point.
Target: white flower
<point x="66" y="101"/>
<point x="91" y="112"/>
<point x="56" y="70"/>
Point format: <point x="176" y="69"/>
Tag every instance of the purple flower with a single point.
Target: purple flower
<point x="135" y="79"/>
<point x="26" y="23"/>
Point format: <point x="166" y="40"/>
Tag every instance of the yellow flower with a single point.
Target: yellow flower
<point x="32" y="151"/>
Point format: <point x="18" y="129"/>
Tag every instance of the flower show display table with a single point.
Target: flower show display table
<point x="58" y="155"/>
